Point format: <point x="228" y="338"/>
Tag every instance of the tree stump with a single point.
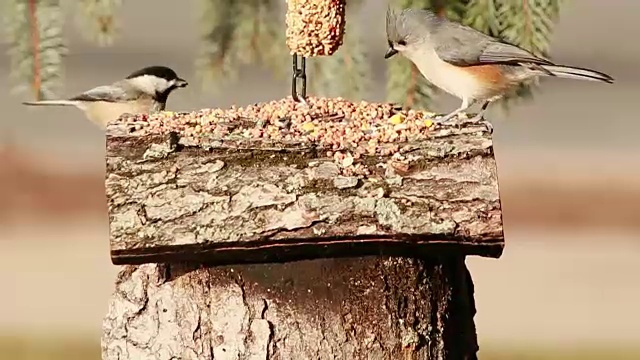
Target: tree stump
<point x="237" y="247"/>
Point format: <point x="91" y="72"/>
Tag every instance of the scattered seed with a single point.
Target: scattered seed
<point x="344" y="131"/>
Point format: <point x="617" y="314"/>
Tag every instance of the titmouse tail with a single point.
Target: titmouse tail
<point x="571" y="72"/>
<point x="51" y="103"/>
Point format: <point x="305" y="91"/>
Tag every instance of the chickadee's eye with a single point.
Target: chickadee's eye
<point x="402" y="43"/>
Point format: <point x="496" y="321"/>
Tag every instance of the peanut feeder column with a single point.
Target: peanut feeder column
<point x="314" y="28"/>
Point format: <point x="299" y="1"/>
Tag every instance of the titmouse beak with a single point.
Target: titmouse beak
<point x="390" y="52"/>
<point x="181" y="83"/>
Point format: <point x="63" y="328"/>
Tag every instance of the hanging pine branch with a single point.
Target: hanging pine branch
<point x="97" y="20"/>
<point x="346" y="73"/>
<point x="482" y="15"/>
<point x="528" y="24"/>
<point x="270" y="35"/>
<point x="237" y="32"/>
<point x="36" y="46"/>
<point x="259" y="37"/>
<point x="454" y="10"/>
<point x="240" y="32"/>
<point x="215" y="60"/>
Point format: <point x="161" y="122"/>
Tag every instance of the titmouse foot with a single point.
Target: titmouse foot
<point x="480" y="118"/>
<point x="445" y="120"/>
<point x="489" y="126"/>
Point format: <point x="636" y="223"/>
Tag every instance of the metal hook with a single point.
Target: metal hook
<point x="299" y="74"/>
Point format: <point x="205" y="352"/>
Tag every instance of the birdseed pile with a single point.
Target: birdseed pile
<point x="315" y="27"/>
<point x="346" y="130"/>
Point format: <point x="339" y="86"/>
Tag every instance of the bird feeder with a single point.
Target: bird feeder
<point x="282" y="230"/>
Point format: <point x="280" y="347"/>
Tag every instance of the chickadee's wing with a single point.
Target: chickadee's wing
<point x="463" y="46"/>
<point x="108" y="93"/>
<point x="51" y="103"/>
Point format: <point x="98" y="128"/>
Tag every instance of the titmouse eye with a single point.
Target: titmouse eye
<point x="402" y="43"/>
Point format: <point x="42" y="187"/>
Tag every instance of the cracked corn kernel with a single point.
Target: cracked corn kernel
<point x="396" y="119"/>
<point x="315" y="27"/>
<point x="428" y="122"/>
<point x="308" y="126"/>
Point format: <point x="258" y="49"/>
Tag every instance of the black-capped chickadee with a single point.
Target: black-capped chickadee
<point x="143" y="92"/>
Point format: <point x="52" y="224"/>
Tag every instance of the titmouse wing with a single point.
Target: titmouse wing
<point x="501" y="52"/>
<point x="464" y="46"/>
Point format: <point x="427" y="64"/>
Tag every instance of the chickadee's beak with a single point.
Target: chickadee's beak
<point x="390" y="52"/>
<point x="181" y="83"/>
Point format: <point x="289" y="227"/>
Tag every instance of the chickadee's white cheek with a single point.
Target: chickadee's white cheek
<point x="161" y="84"/>
<point x="151" y="84"/>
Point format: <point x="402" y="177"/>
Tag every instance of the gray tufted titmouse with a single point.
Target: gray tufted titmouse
<point x="142" y="92"/>
<point x="467" y="63"/>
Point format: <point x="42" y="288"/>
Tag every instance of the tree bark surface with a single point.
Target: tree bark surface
<point x="364" y="308"/>
<point x="262" y="249"/>
<point x="229" y="200"/>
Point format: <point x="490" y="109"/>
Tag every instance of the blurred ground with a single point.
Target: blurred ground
<point x="568" y="165"/>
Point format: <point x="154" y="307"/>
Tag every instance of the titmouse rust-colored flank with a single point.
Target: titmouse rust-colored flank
<point x="467" y="63"/>
<point x="144" y="91"/>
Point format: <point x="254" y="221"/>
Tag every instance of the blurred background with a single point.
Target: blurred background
<point x="566" y="286"/>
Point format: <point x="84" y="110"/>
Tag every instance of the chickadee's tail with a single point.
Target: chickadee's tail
<point x="572" y="72"/>
<point x="51" y="103"/>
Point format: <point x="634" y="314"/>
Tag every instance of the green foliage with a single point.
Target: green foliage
<point x="482" y="15"/>
<point x="97" y="20"/>
<point x="528" y="24"/>
<point x="236" y="33"/>
<point x="36" y="45"/>
<point x="346" y="73"/>
<point x="252" y="32"/>
<point x="215" y="59"/>
<point x="260" y="35"/>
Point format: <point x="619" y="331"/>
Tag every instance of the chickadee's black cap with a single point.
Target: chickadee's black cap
<point x="158" y="71"/>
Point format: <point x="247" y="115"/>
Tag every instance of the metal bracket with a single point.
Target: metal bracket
<point x="299" y="74"/>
